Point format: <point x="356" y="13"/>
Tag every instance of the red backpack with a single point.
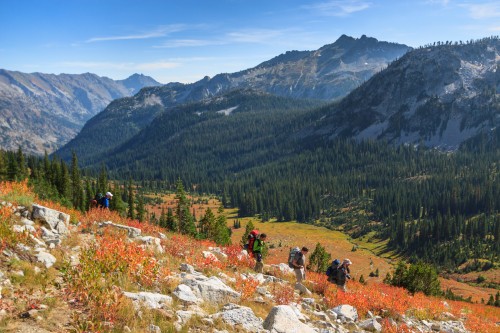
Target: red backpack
<point x="252" y="236"/>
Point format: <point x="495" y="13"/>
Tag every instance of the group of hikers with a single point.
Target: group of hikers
<point x="338" y="272"/>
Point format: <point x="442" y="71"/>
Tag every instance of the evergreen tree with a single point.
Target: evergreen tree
<point x="102" y="180"/>
<point x="22" y="171"/>
<point x="222" y="232"/>
<point x="3" y="166"/>
<point x="248" y="228"/>
<point x="319" y="259"/>
<point x="185" y="220"/>
<point x="207" y="225"/>
<point x="170" y="221"/>
<point x="131" y="201"/>
<point x="140" y="208"/>
<point x="76" y="184"/>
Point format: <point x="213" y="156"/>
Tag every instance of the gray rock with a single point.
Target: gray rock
<point x="185" y="294"/>
<point x="347" y="311"/>
<point x="154" y="329"/>
<point x="282" y="319"/>
<point x="131" y="231"/>
<point x="23" y="228"/>
<point x="150" y="300"/>
<point x="184" y="316"/>
<point x="212" y="290"/>
<point x="242" y="316"/>
<point x="46" y="258"/>
<point x="371" y="325"/>
<point x="153" y="243"/>
<point x="187" y="268"/>
<point x="302" y="289"/>
<point x="25" y="221"/>
<point x="56" y="220"/>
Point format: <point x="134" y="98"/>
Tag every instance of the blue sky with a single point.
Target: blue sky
<point x="185" y="40"/>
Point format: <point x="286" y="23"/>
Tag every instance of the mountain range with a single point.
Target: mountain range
<point x="327" y="74"/>
<point x="41" y="112"/>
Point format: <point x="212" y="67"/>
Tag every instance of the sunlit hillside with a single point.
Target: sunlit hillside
<point x="101" y="271"/>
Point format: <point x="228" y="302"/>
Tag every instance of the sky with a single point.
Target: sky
<point x="186" y="40"/>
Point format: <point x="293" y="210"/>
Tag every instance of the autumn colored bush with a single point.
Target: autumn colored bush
<point x="18" y="193"/>
<point x="9" y="238"/>
<point x="246" y="286"/>
<point x="283" y="293"/>
<point x="317" y="282"/>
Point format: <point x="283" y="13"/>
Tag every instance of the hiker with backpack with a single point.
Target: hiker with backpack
<point x="101" y="201"/>
<point x="331" y="271"/>
<point x="252" y="236"/>
<point x="298" y="263"/>
<point x="258" y="247"/>
<point x="343" y="274"/>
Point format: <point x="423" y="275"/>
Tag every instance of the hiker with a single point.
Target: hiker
<point x="331" y="272"/>
<point x="105" y="200"/>
<point x="258" y="247"/>
<point x="343" y="274"/>
<point x="252" y="236"/>
<point x="299" y="264"/>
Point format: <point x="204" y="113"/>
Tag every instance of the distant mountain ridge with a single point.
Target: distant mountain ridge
<point x="438" y="96"/>
<point x="325" y="74"/>
<point x="43" y="111"/>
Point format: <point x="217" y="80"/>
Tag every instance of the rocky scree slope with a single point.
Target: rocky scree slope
<point x="439" y="96"/>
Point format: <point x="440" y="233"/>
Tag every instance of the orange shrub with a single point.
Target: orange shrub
<point x="246" y="287"/>
<point x="283" y="293"/>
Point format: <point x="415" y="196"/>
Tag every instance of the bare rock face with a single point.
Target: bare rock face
<point x="212" y="289"/>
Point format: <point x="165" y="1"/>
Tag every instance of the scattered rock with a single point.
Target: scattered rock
<point x="282" y="319"/>
<point x="154" y="329"/>
<point x="187" y="268"/>
<point x="45" y="258"/>
<point x="243" y="316"/>
<point x="371" y="325"/>
<point x="150" y="300"/>
<point x="185" y="294"/>
<point x="347" y="311"/>
<point x="153" y="243"/>
<point x="131" y="231"/>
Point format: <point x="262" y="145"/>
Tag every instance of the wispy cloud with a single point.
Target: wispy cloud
<point x="338" y="7"/>
<point x="174" y="43"/>
<point x="483" y="10"/>
<point x="121" y="65"/>
<point x="439" y="2"/>
<point x="158" y="32"/>
<point x="257" y="36"/>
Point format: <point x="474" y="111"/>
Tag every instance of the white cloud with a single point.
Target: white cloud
<point x="159" y="32"/>
<point x="483" y="10"/>
<point x="339" y="7"/>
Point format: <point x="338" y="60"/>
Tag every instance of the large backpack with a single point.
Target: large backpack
<point x="97" y="201"/>
<point x="331" y="271"/>
<point x="291" y="256"/>
<point x="252" y="236"/>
